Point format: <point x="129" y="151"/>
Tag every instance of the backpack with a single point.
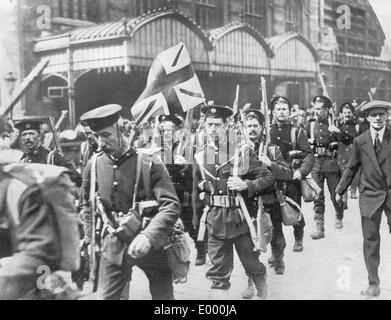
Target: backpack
<point x="56" y="188"/>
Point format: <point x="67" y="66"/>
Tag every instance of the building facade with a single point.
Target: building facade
<point x="100" y="50"/>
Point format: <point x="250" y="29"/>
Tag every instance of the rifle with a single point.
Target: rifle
<point x="265" y="110"/>
<point x="50" y="137"/>
<point x="326" y="94"/>
<point x="57" y="144"/>
<point x="254" y="235"/>
<point x="263" y="150"/>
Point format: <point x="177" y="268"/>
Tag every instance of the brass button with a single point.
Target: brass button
<point x="115" y="183"/>
<point x="221" y="191"/>
<point x="115" y="167"/>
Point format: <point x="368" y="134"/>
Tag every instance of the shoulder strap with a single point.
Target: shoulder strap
<point x="312" y="124"/>
<point x="138" y="175"/>
<point x="50" y="157"/>
<point x="357" y="129"/>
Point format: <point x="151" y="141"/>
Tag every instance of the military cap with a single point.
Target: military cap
<point x="279" y="99"/>
<point x="102" y="117"/>
<point x="255" y="113"/>
<point x="172" y="118"/>
<point x="215" y="111"/>
<point x="376" y="104"/>
<point x="29" y="123"/>
<point x="322" y="99"/>
<point x="347" y="105"/>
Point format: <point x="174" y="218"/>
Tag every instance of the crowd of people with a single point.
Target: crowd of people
<point x="132" y="191"/>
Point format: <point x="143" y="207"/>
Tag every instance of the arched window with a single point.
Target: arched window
<point x="255" y="14"/>
<point x="348" y="90"/>
<point x="381" y="91"/>
<point x="293" y="15"/>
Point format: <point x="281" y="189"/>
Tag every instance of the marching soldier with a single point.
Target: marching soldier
<point x="295" y="149"/>
<point x="181" y="175"/>
<point x="371" y="154"/>
<point x="348" y="127"/>
<point x="254" y="125"/>
<point x="225" y="223"/>
<point x="129" y="237"/>
<point x="30" y="133"/>
<point x="38" y="227"/>
<point x="324" y="137"/>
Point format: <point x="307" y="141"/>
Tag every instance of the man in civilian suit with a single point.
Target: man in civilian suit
<point x="372" y="153"/>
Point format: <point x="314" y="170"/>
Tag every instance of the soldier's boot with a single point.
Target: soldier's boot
<point x="279" y="265"/>
<point x="249" y="292"/>
<point x="319" y="233"/>
<point x="261" y="286"/>
<point x="201" y="254"/>
<point x="271" y="261"/>
<point x="298" y="247"/>
<point x="338" y="224"/>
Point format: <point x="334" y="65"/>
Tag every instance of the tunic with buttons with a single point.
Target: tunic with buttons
<point x="40" y="155"/>
<point x="115" y="185"/>
<point x="323" y="139"/>
<point x="227" y="223"/>
<point x="281" y="136"/>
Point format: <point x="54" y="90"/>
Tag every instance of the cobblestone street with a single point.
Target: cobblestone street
<point x="329" y="269"/>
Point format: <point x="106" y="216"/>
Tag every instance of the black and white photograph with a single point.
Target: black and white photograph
<point x="211" y="151"/>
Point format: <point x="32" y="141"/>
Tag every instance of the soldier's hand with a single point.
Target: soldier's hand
<point x="236" y="184"/>
<point x="139" y="247"/>
<point x="297" y="175"/>
<point x="265" y="159"/>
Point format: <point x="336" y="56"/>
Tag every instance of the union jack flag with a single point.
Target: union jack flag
<point x="172" y="86"/>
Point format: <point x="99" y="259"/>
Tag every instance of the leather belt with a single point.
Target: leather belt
<point x="224" y="202"/>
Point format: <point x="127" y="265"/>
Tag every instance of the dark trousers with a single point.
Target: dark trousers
<point x="370" y="229"/>
<point x="293" y="191"/>
<point x="221" y="255"/>
<point x="113" y="280"/>
<point x="332" y="179"/>
<point x="187" y="218"/>
<point x="278" y="242"/>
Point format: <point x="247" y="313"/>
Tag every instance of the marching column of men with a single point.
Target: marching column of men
<point x="138" y="195"/>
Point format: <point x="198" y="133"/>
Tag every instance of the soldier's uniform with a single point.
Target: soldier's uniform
<point x="181" y="175"/>
<point x="30" y="237"/>
<point x="326" y="166"/>
<point x="41" y="154"/>
<point x="115" y="185"/>
<point x="349" y="130"/>
<point x="225" y="223"/>
<point x="293" y="138"/>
